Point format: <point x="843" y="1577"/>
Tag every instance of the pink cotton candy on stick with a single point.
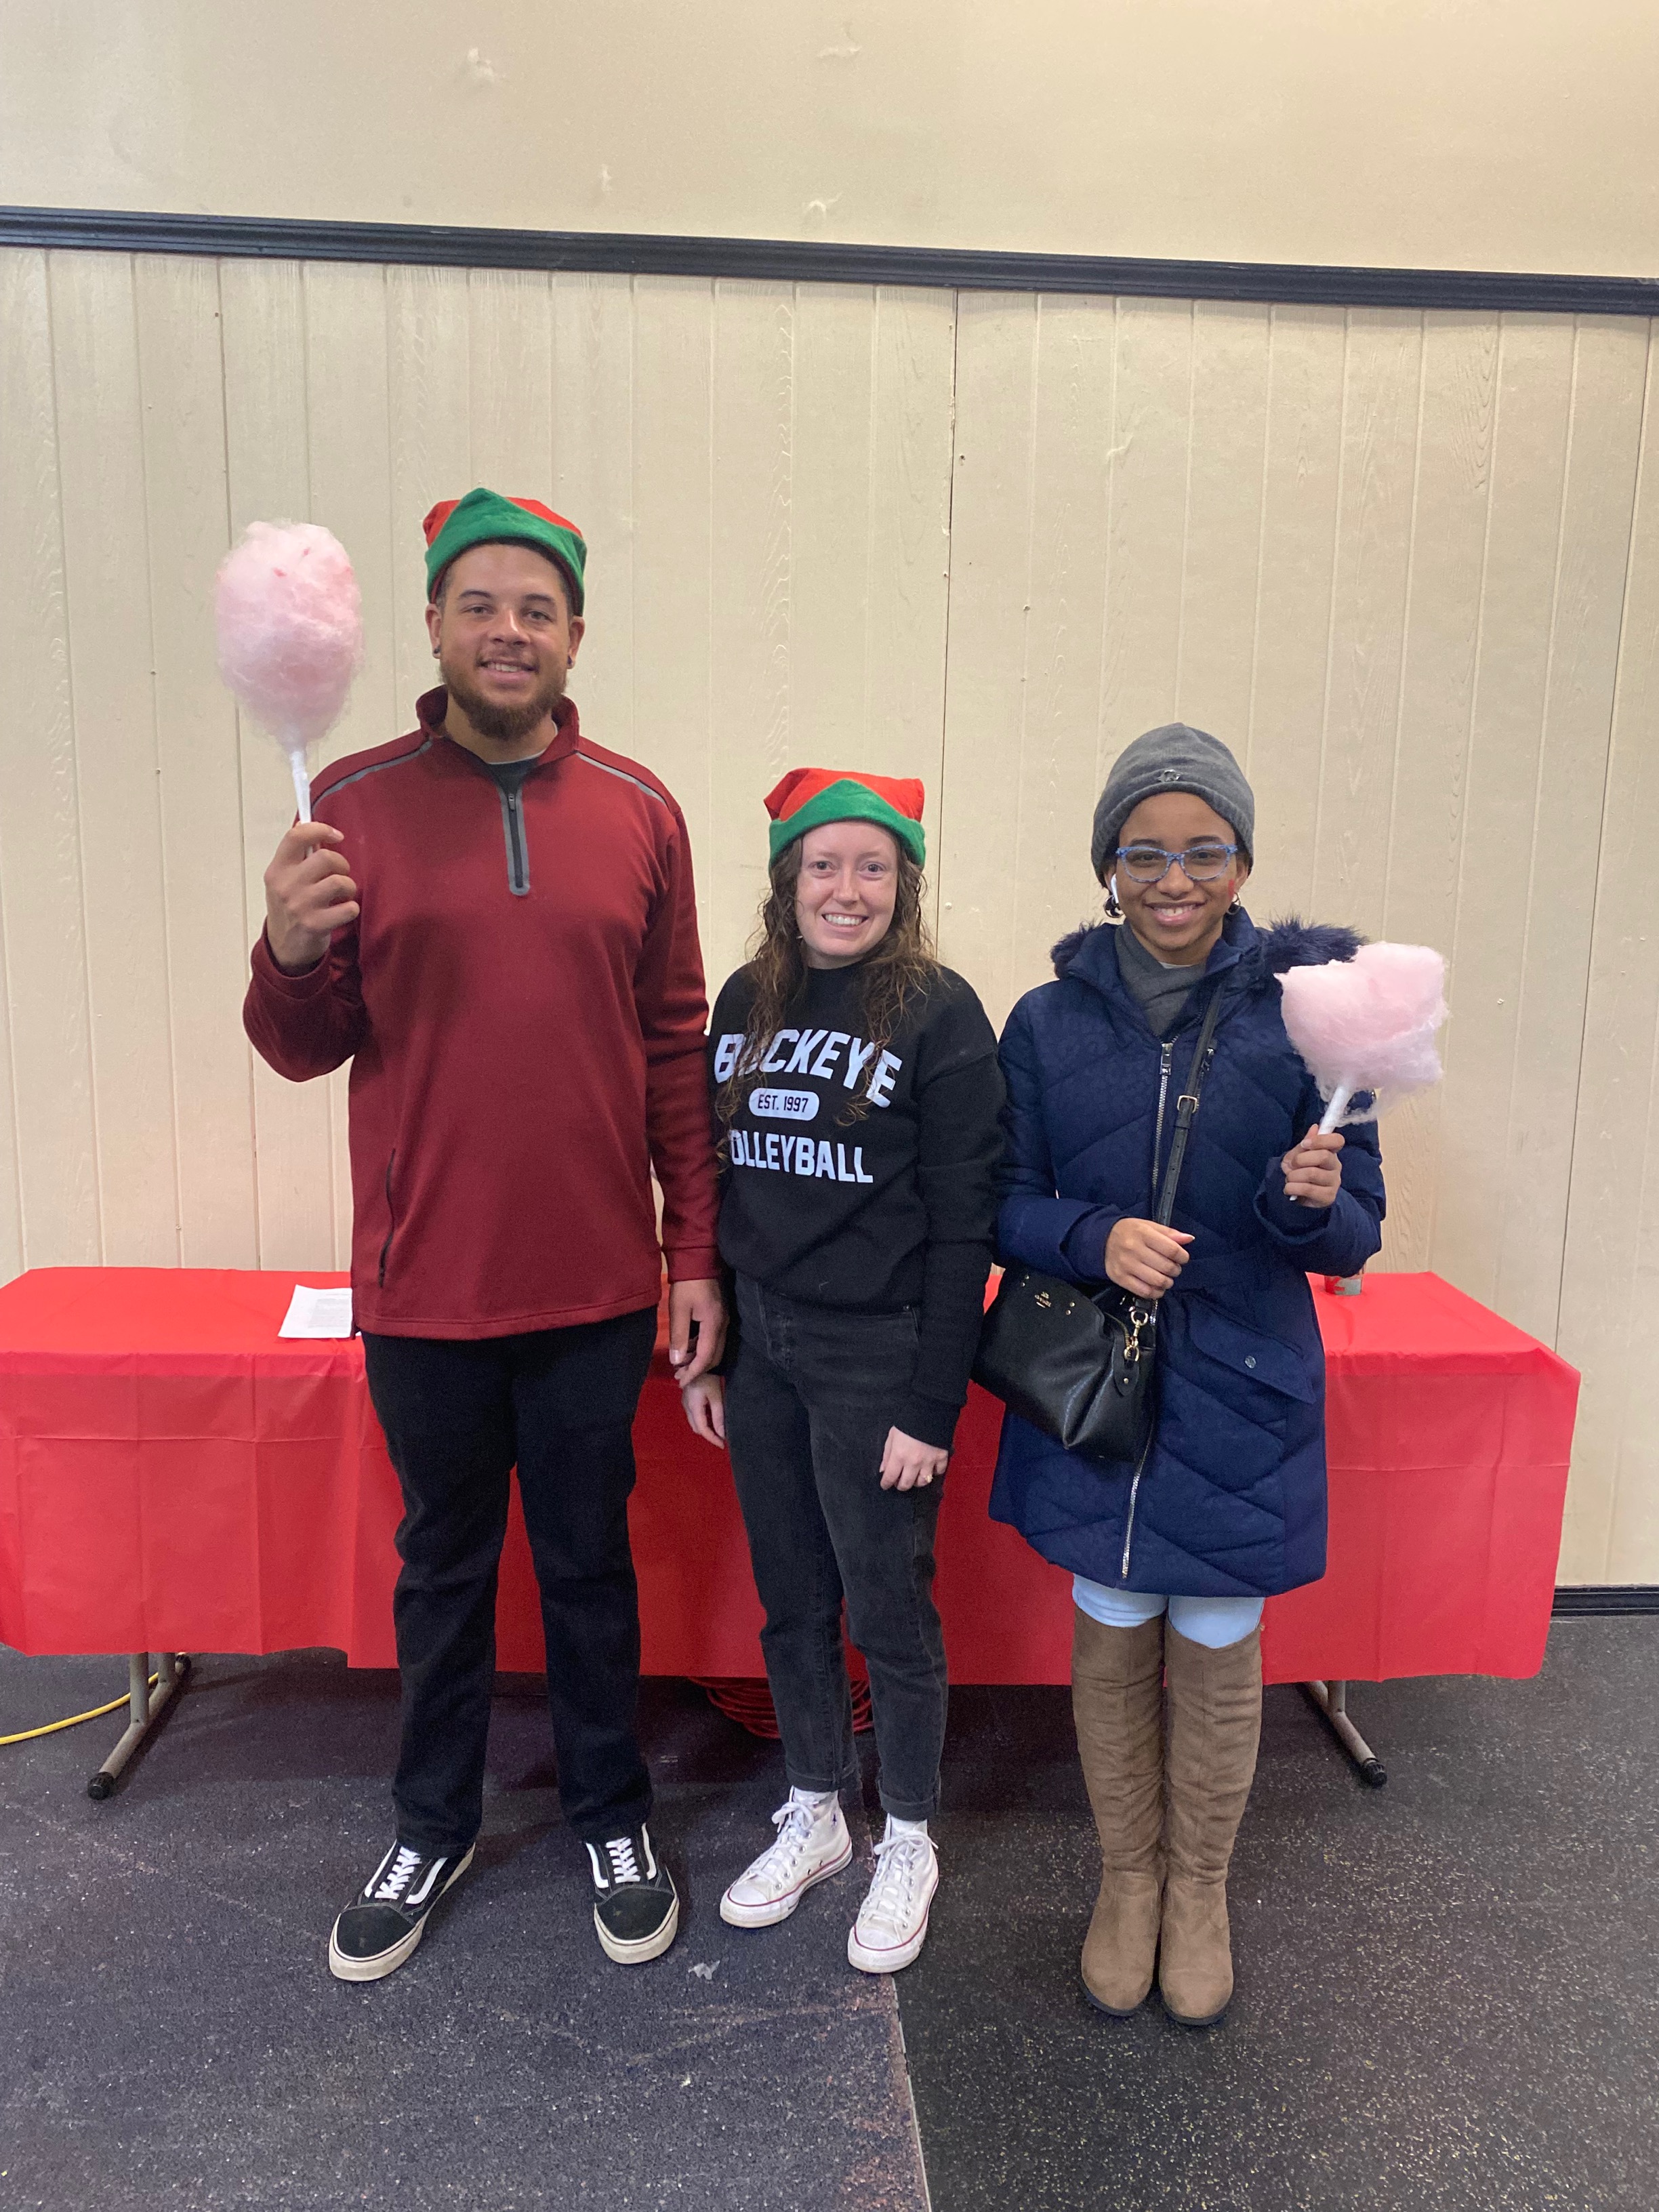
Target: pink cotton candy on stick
<point x="290" y="621"/>
<point x="1368" y="1023"/>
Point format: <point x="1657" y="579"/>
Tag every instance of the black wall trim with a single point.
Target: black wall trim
<point x="820" y="262"/>
<point x="1605" y="1597"/>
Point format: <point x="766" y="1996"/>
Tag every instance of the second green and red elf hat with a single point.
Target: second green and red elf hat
<point x="486" y="518"/>
<point x="807" y="798"/>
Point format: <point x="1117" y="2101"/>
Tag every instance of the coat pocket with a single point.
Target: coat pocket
<point x="1258" y="1361"/>
<point x="1234" y="1398"/>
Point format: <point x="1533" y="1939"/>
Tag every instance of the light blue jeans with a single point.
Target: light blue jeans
<point x="1214" y="1622"/>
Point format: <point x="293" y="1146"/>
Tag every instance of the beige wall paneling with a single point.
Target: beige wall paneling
<point x="1030" y="521"/>
<point x="430" y="417"/>
<point x="669" y="652"/>
<point x="751" y="524"/>
<point x="108" y="590"/>
<point x="1382" y="361"/>
<point x="349" y="473"/>
<point x="985" y="795"/>
<point x="1563" y="467"/>
<point x="49" y="1211"/>
<point x="349" y="469"/>
<point x="1609" y="369"/>
<point x="832" y="461"/>
<point x="511" y="385"/>
<point x="791" y="492"/>
<point x="590" y="473"/>
<point x="1383" y="368"/>
<point x="1610" y="1283"/>
<point x="1457" y="414"/>
<point x="1106" y="535"/>
<point x="1488" y="944"/>
<point x="262" y="305"/>
<point x="1151" y="448"/>
<point x="870" y="531"/>
<point x="1296" y="567"/>
<point x="1221" y="528"/>
<point x="181" y="366"/>
<point x="906" y="544"/>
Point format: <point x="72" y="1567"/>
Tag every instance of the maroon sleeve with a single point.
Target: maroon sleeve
<point x="673" y="1015"/>
<point x="309" y="1023"/>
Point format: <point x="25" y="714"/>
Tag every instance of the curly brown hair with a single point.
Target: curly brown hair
<point x="903" y="963"/>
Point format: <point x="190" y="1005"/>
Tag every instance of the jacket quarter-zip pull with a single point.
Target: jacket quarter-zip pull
<point x="518" y="845"/>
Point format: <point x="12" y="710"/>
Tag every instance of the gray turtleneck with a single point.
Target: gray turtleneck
<point x="1160" y="990"/>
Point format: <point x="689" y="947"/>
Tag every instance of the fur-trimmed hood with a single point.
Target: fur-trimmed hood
<point x="1258" y="955"/>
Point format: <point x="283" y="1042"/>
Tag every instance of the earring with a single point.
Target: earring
<point x="1114" y="911"/>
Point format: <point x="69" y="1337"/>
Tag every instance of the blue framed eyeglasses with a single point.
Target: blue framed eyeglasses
<point x="1200" y="863"/>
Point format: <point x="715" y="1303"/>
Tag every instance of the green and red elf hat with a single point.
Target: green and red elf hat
<point x="807" y="798"/>
<point x="485" y="518"/>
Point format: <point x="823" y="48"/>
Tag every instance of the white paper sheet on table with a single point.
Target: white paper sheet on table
<point x="312" y="1312"/>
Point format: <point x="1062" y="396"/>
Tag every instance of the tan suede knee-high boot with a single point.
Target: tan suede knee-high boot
<point x="1215" y="1727"/>
<point x="1117" y="1702"/>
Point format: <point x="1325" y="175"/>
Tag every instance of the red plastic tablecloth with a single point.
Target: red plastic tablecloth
<point x="173" y="1475"/>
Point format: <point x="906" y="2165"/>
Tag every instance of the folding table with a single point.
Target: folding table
<point x="175" y="1477"/>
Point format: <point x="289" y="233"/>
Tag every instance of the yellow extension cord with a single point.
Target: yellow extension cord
<point x="75" y="1719"/>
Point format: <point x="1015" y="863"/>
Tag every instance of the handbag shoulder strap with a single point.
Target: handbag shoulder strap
<point x="1187" y="1104"/>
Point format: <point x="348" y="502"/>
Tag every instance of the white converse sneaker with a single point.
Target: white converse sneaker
<point x="812" y="1843"/>
<point x="892" y="1923"/>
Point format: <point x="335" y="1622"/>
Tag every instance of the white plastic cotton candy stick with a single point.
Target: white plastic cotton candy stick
<point x="1368" y="1023"/>
<point x="290" y="620"/>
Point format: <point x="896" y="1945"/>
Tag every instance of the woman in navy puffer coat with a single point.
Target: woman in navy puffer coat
<point x="1171" y="1563"/>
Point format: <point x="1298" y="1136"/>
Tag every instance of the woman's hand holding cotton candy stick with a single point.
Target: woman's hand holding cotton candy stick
<point x="1313" y="1173"/>
<point x="309" y="894"/>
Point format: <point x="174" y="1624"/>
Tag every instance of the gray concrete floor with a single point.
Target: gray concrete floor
<point x="1447" y="1990"/>
<point x="170" y="2037"/>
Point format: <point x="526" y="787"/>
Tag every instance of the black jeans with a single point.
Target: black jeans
<point x="458" y="1417"/>
<point x="809" y="1404"/>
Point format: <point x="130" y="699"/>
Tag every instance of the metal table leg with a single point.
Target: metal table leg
<point x="146" y="1706"/>
<point x="1331" y="1698"/>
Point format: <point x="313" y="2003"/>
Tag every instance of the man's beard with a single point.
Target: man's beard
<point x="504" y="726"/>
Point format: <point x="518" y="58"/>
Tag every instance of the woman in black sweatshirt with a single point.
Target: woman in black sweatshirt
<point x="858" y="1094"/>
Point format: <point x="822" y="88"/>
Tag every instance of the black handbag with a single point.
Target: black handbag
<point x="1081" y="1368"/>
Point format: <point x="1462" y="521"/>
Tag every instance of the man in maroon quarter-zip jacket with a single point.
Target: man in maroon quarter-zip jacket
<point x="492" y="919"/>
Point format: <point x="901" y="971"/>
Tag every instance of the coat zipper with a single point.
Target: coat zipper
<point x="391" y="1218"/>
<point x="1165" y="1055"/>
<point x="1134" y="1492"/>
<point x="1166" y="1052"/>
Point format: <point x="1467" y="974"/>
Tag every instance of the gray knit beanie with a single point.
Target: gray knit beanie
<point x="1172" y="759"/>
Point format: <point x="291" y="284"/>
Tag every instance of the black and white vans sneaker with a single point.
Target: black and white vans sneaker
<point x="387" y="1918"/>
<point x="636" y="1908"/>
